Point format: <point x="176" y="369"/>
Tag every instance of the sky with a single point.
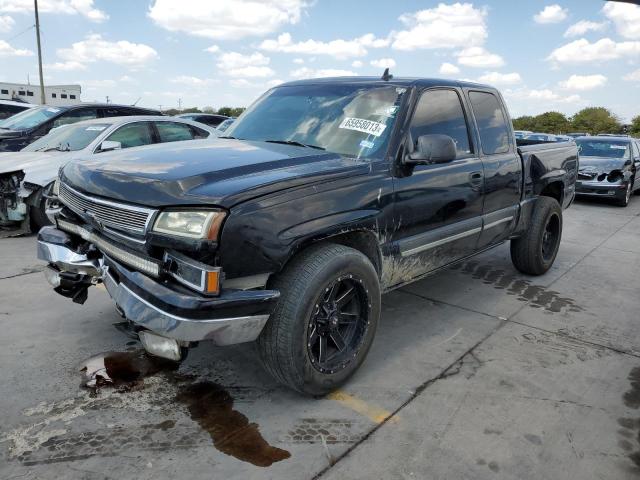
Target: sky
<point x="542" y="55"/>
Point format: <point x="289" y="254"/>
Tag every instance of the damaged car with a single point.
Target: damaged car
<point x="608" y="167"/>
<point x="323" y="195"/>
<point x="26" y="177"/>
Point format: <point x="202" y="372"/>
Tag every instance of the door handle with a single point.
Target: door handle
<point x="475" y="178"/>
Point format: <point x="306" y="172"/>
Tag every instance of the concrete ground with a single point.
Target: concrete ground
<point x="478" y="373"/>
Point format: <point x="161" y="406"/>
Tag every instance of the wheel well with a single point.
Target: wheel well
<point x="363" y="241"/>
<point x="554" y="190"/>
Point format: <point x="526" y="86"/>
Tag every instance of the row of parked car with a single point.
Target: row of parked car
<point x="36" y="142"/>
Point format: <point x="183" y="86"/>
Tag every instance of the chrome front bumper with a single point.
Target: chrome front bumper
<point x="233" y="317"/>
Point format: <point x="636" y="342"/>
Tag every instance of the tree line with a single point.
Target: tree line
<point x="592" y="120"/>
<point x="226" y="111"/>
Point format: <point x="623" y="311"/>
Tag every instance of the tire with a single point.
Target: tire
<point x="535" y="251"/>
<point x="38" y="211"/>
<point x="290" y="342"/>
<point x="624" y="200"/>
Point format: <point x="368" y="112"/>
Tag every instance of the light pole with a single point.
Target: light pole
<point x="43" y="99"/>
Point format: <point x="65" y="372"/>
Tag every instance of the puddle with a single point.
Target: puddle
<point x="208" y="404"/>
<point x="537" y="296"/>
<point x="212" y="408"/>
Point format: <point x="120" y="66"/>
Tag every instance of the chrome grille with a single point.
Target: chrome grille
<point x="115" y="215"/>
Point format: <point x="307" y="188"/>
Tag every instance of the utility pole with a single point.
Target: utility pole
<point x="179" y="105"/>
<point x="43" y="99"/>
<point x="107" y="98"/>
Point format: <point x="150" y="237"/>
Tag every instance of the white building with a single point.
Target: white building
<point x="54" y="94"/>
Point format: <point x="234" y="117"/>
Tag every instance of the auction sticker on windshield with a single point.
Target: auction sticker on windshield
<point x="364" y="126"/>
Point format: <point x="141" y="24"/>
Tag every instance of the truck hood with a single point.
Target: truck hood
<point x="220" y="172"/>
<point x="601" y="164"/>
<point x="40" y="168"/>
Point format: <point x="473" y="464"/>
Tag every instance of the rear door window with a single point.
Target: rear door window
<point x="133" y="135"/>
<point x="74" y="116"/>
<point x="174" y="132"/>
<point x="440" y="112"/>
<point x="494" y="133"/>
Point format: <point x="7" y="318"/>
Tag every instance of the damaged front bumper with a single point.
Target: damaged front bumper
<point x="235" y="316"/>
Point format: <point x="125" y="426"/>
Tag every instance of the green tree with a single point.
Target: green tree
<point x="525" y="122"/>
<point x="635" y="126"/>
<point x="596" y="120"/>
<point x="551" y="122"/>
<point x="231" y="112"/>
<point x="208" y="110"/>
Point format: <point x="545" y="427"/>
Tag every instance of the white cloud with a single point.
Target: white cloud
<point x="6" y="23"/>
<point x="625" y="17"/>
<point x="226" y="19"/>
<point x="584" y="26"/>
<point x="191" y="81"/>
<point x="306" y="72"/>
<point x="551" y="14"/>
<point x="212" y="49"/>
<point x="583" y="82"/>
<point x="497" y="78"/>
<point x="448" y="69"/>
<point x="479" y="57"/>
<point x="7" y="50"/>
<point x="65" y="66"/>
<point x="530" y="101"/>
<point x="94" y="48"/>
<point x="95" y="84"/>
<point x="357" y="64"/>
<point x="236" y="64"/>
<point x="582" y="51"/>
<point x="445" y="26"/>
<point x="383" y="63"/>
<point x="338" y="48"/>
<point x="298" y="61"/>
<point x="633" y="76"/>
<point x="69" y="7"/>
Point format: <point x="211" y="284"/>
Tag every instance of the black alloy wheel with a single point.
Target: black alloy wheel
<point x="338" y="324"/>
<point x="551" y="237"/>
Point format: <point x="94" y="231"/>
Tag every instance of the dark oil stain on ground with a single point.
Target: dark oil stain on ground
<point x="122" y="370"/>
<point x="536" y="295"/>
<point x="212" y="408"/>
<point x="631" y="426"/>
<point x="208" y="404"/>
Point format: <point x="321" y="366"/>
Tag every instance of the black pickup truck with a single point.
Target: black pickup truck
<point x="322" y="196"/>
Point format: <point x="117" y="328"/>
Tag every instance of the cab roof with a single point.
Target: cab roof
<point x="399" y="82"/>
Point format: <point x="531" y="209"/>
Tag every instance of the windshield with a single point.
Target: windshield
<point x="68" y="138"/>
<point x="30" y="118"/>
<point x="603" y="148"/>
<point x="352" y="120"/>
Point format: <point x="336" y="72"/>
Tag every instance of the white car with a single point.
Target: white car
<point x="27" y="175"/>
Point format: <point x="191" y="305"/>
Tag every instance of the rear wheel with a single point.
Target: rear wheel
<point x="325" y="320"/>
<point x="535" y="251"/>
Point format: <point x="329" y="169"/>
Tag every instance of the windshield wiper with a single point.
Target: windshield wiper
<point x="58" y="148"/>
<point x="297" y="144"/>
<point x="228" y="136"/>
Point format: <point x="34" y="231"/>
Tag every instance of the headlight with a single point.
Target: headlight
<point x="198" y="224"/>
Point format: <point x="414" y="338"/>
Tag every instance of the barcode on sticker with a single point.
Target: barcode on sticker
<point x="364" y="126"/>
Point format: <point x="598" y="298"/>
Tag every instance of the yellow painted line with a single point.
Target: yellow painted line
<point x="373" y="413"/>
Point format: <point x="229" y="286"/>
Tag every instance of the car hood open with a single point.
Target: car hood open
<point x="214" y="172"/>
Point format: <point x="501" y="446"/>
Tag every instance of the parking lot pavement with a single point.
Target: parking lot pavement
<point x="478" y="372"/>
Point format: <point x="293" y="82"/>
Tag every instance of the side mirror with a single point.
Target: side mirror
<point x="109" y="145"/>
<point x="433" y="148"/>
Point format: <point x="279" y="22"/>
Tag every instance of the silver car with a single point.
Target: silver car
<point x="27" y="175"/>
